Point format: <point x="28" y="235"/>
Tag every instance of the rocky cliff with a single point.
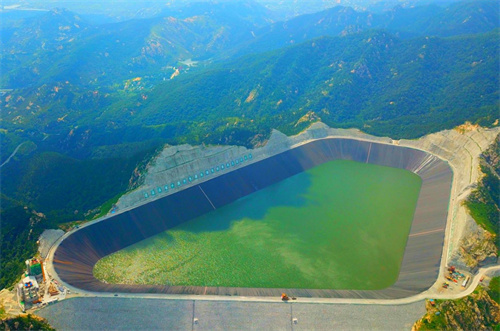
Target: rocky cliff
<point x="477" y="248"/>
<point x="480" y="243"/>
<point x="477" y="311"/>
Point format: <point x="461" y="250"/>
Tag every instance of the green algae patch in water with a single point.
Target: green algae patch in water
<point x="340" y="225"/>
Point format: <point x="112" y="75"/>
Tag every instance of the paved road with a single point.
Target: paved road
<point x="13" y="153"/>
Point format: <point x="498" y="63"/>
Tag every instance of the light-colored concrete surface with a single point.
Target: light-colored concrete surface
<point x="230" y="315"/>
<point x="148" y="314"/>
<point x="356" y="317"/>
<point x="236" y="313"/>
<point x="119" y="314"/>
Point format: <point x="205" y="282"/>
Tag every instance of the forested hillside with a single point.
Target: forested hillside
<point x="373" y="81"/>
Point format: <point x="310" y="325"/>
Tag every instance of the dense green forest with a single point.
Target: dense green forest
<point x="65" y="188"/>
<point x="61" y="189"/>
<point x="20" y="230"/>
<point x="77" y="83"/>
<point x="372" y="80"/>
<point x="27" y="322"/>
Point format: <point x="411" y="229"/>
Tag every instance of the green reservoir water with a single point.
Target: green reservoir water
<point x="340" y="225"/>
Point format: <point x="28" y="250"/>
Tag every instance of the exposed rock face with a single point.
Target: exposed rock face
<point x="477" y="248"/>
<point x="474" y="312"/>
<point x="492" y="155"/>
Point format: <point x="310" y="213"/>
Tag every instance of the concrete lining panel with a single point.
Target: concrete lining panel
<point x="98" y="313"/>
<point x="227" y="315"/>
<point x="119" y="314"/>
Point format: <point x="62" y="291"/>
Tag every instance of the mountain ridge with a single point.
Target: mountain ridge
<point x="426" y="20"/>
<point x="373" y="80"/>
<point x="110" y="53"/>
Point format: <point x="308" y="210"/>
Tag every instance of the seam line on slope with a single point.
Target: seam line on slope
<point x="206" y="196"/>
<point x="426" y="232"/>
<point x="192" y="317"/>
<point x="369" y="151"/>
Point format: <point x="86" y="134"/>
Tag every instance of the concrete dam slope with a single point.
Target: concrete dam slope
<point x="76" y="255"/>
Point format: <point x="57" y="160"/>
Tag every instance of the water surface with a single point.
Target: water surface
<point x="340" y="225"/>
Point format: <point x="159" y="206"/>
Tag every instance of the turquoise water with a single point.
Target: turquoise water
<point x="340" y="225"/>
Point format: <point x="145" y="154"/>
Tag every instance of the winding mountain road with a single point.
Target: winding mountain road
<point x="13" y="153"/>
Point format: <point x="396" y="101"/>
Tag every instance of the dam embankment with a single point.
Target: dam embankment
<point x="77" y="254"/>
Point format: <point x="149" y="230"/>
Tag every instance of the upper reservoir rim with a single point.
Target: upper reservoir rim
<point x="293" y="147"/>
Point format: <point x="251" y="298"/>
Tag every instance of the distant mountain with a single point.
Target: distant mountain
<point x="371" y="80"/>
<point x="106" y="11"/>
<point x="431" y="20"/>
<point x="406" y="22"/>
<point x="30" y="47"/>
<point x="46" y="31"/>
<point x="332" y="22"/>
<point x="59" y="46"/>
<point x="233" y="13"/>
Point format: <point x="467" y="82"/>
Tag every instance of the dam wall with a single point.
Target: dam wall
<point x="282" y="157"/>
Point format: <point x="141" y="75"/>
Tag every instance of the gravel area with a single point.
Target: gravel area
<point x="8" y="299"/>
<point x="154" y="314"/>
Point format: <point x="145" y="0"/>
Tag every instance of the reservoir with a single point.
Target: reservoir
<point x="340" y="225"/>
